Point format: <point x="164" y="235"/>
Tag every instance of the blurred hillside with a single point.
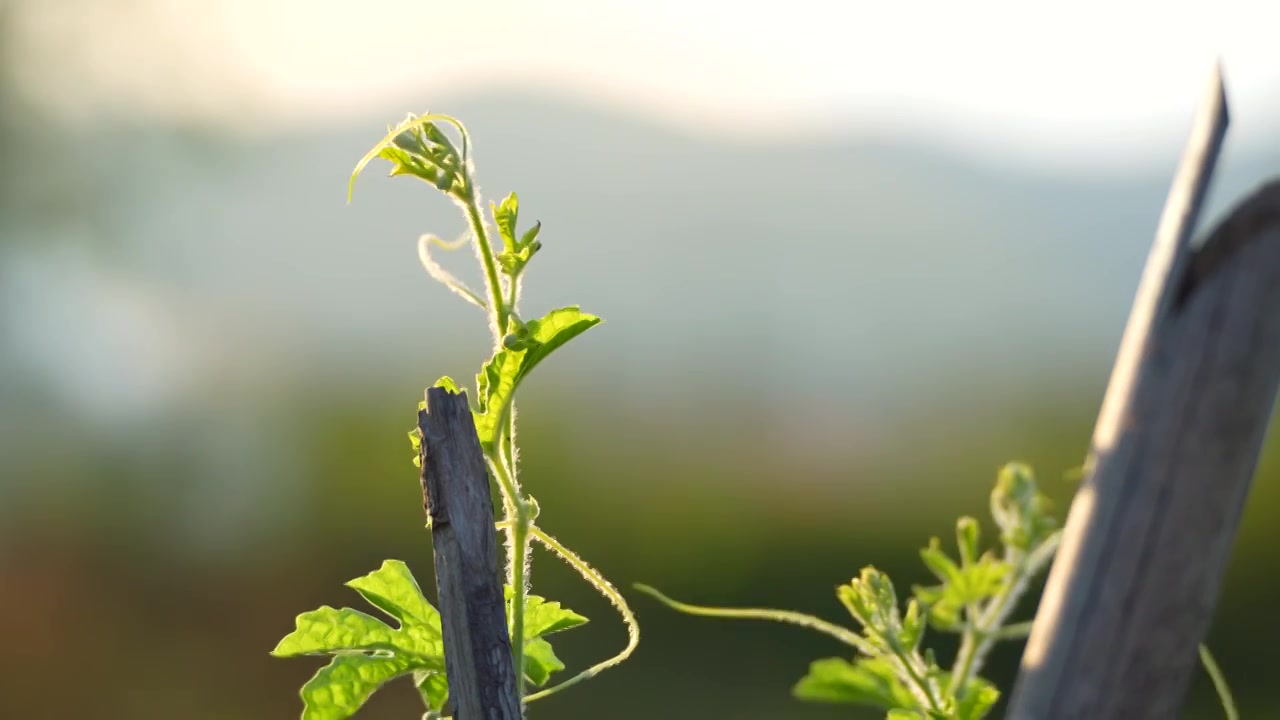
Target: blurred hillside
<point x="816" y="353"/>
<point x="760" y="259"/>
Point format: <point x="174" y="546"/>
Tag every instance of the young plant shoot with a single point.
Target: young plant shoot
<point x="973" y="599"/>
<point x="366" y="652"/>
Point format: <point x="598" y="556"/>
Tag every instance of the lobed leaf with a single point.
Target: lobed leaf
<point x="367" y="651"/>
<point x="544" y="617"/>
<point x="868" y="681"/>
<point x="505" y="216"/>
<point x="540" y="661"/>
<point x="972" y="582"/>
<point x="340" y="688"/>
<point x="516" y="252"/>
<point x="393" y="590"/>
<point x="328" y="630"/>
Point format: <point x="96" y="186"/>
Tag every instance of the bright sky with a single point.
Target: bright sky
<point x="1034" y="79"/>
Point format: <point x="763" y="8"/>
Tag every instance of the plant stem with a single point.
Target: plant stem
<point x="966" y="656"/>
<point x="520" y="547"/>
<point x="517" y="509"/>
<point x="844" y="635"/>
<point x="518" y="524"/>
<point x="1219" y="683"/>
<point x="610" y="593"/>
<point x="924" y="688"/>
<point x="493" y="286"/>
<point x="982" y="632"/>
<point x="513" y="288"/>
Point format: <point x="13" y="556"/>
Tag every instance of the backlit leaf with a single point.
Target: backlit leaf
<point x="502" y="374"/>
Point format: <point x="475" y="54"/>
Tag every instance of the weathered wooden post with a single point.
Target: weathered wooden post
<point x="455" y="493"/>
<point x="1150" y="530"/>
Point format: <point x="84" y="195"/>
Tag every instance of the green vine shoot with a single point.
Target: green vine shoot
<point x="888" y="666"/>
<point x="366" y="652"/>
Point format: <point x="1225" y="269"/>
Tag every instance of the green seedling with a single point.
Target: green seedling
<point x="366" y="652"/>
<point x="974" y="598"/>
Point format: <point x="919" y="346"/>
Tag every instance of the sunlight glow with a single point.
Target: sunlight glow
<point x="1021" y="77"/>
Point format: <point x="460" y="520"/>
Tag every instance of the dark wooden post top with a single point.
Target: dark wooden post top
<point x="455" y="491"/>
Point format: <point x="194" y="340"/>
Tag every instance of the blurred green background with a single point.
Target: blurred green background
<point x="819" y="347"/>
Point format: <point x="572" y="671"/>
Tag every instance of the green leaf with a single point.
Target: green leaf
<point x="331" y="630"/>
<point x="976" y="699"/>
<point x="973" y="582"/>
<point x="502" y="374"/>
<point x="418" y="127"/>
<point x="943" y="608"/>
<point x="433" y="687"/>
<point x="512" y="262"/>
<point x="1020" y="510"/>
<point x="968" y="539"/>
<point x="540" y="661"/>
<point x="516" y="253"/>
<point x="505" y="216"/>
<point x="406" y="163"/>
<point x="912" y="626"/>
<point x="869" y="681"/>
<point x="368" y="651"/>
<point x="415" y="439"/>
<point x="338" y="690"/>
<point x="982" y="580"/>
<point x="543" y="617"/>
<point x="393" y="590"/>
<point x="447" y="383"/>
<point x="871" y="600"/>
<point x="531" y="235"/>
<point x="415" y="435"/>
<point x="938" y="563"/>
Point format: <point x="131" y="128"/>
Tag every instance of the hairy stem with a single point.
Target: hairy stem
<point x="983" y="631"/>
<point x="610" y="593"/>
<point x="499" y="311"/>
<point x="519" y="590"/>
<point x="844" y="635"/>
<point x="923" y="690"/>
<point x="517" y="524"/>
<point x="513" y="290"/>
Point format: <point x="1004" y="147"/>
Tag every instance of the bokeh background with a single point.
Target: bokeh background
<point x="852" y="257"/>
